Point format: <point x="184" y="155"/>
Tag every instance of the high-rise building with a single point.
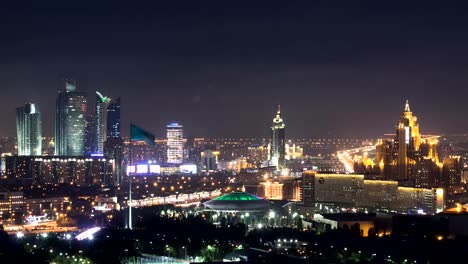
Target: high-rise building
<point x="407" y="142"/>
<point x="102" y="103"/>
<point x="451" y="173"/>
<point x="175" y="143"/>
<point x="409" y="157"/>
<point x="70" y="121"/>
<point x="114" y="145"/>
<point x="308" y="188"/>
<point x="209" y="159"/>
<point x="29" y="130"/>
<point x="90" y="135"/>
<point x="114" y="150"/>
<point x="278" y="152"/>
<point x="113" y="119"/>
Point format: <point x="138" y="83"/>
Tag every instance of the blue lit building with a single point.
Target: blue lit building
<point x="29" y="130"/>
<point x="175" y="143"/>
<point x="113" y="119"/>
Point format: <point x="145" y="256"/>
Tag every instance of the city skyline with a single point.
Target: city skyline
<point x="336" y="72"/>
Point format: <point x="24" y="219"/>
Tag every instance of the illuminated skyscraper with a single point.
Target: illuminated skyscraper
<point x="407" y="142"/>
<point x="408" y="157"/>
<point x="29" y="130"/>
<point x="114" y="144"/>
<point x="70" y="121"/>
<point x="175" y="143"/>
<point x="278" y="141"/>
<point x="101" y="121"/>
<point x="90" y="134"/>
<point x="113" y="119"/>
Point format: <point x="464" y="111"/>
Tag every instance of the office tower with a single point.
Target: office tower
<point x="29" y="130"/>
<point x="90" y="135"/>
<point x="407" y="142"/>
<point x="70" y="121"/>
<point x="113" y="119"/>
<point x="175" y="143"/>
<point x="114" y="145"/>
<point x="209" y="159"/>
<point x="409" y="157"/>
<point x="414" y="159"/>
<point x="277" y="141"/>
<point x="308" y="188"/>
<point x="102" y="103"/>
<point x="451" y="173"/>
<point x="113" y="150"/>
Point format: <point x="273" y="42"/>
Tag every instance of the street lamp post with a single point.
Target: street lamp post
<point x="168" y="253"/>
<point x="185" y="253"/>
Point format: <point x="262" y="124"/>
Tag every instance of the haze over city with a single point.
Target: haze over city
<point x="337" y="71"/>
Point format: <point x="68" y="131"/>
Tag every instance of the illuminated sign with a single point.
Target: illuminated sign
<point x="97" y="155"/>
<point x="153" y="168"/>
<point x="131" y="169"/>
<point x="141" y="168"/>
<point x="188" y="168"/>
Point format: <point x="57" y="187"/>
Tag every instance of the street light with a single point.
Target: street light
<point x="168" y="252"/>
<point x="271" y="214"/>
<point x="212" y="249"/>
<point x="185" y="251"/>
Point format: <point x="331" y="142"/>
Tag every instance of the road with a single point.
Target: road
<point x="346" y="156"/>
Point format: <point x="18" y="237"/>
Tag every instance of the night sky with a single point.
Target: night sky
<point x="220" y="67"/>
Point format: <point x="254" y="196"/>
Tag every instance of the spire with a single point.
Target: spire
<point x="279" y="109"/>
<point x="407" y="108"/>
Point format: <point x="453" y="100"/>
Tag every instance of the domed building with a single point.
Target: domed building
<point x="238" y="202"/>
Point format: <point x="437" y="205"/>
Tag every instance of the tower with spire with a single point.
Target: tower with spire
<point x="277" y="150"/>
<point x="407" y="142"/>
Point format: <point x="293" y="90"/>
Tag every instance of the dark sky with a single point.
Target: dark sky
<point x="340" y="69"/>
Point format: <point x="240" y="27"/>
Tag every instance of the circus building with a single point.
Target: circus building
<point x="238" y="202"/>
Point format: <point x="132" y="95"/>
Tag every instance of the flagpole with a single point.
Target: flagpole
<point x="130" y="184"/>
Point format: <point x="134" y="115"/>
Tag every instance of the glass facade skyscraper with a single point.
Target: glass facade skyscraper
<point x="175" y="143"/>
<point x="101" y="121"/>
<point x="113" y="119"/>
<point x="70" y="122"/>
<point x="29" y="130"/>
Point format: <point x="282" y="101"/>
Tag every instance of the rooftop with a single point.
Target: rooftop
<point x="237" y="196"/>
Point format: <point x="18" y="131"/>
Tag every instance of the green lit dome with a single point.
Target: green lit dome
<point x="237" y="201"/>
<point x="237" y="196"/>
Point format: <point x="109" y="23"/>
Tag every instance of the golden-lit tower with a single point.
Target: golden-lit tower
<point x="407" y="142"/>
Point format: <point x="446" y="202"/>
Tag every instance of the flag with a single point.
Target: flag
<point x="138" y="133"/>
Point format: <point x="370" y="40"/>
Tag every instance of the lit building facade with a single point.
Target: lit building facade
<point x="102" y="102"/>
<point x="175" y="143"/>
<point x="209" y="160"/>
<point x="70" y="122"/>
<point x="113" y="119"/>
<point x="353" y="191"/>
<point x="277" y="149"/>
<point x="29" y="130"/>
<point x="11" y="202"/>
<point x="451" y="173"/>
<point x="272" y="190"/>
<point x="407" y="157"/>
<point x="53" y="170"/>
<point x="292" y="151"/>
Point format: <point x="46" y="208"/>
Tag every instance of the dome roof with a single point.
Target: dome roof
<point x="237" y="196"/>
<point x="237" y="201"/>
